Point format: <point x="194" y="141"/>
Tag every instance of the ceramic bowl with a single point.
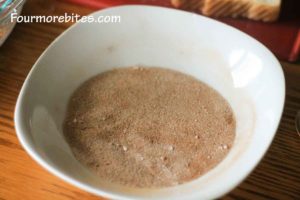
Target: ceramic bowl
<point x="244" y="71"/>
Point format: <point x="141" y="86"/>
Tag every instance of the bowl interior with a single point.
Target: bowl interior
<point x="237" y="66"/>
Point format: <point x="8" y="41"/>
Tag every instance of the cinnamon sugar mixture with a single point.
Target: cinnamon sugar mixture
<point x="148" y="127"/>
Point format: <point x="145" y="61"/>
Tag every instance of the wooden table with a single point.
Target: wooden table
<point x="276" y="177"/>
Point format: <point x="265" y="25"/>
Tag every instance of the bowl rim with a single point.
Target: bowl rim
<point x="109" y="194"/>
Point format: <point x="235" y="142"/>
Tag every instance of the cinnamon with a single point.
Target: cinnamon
<point x="148" y="127"/>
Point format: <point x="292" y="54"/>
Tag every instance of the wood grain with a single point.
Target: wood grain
<point x="276" y="177"/>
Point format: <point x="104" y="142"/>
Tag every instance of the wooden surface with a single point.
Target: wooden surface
<point x="276" y="177"/>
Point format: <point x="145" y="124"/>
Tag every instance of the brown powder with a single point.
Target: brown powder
<point x="148" y="127"/>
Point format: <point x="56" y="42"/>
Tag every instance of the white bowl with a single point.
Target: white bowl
<point x="237" y="66"/>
